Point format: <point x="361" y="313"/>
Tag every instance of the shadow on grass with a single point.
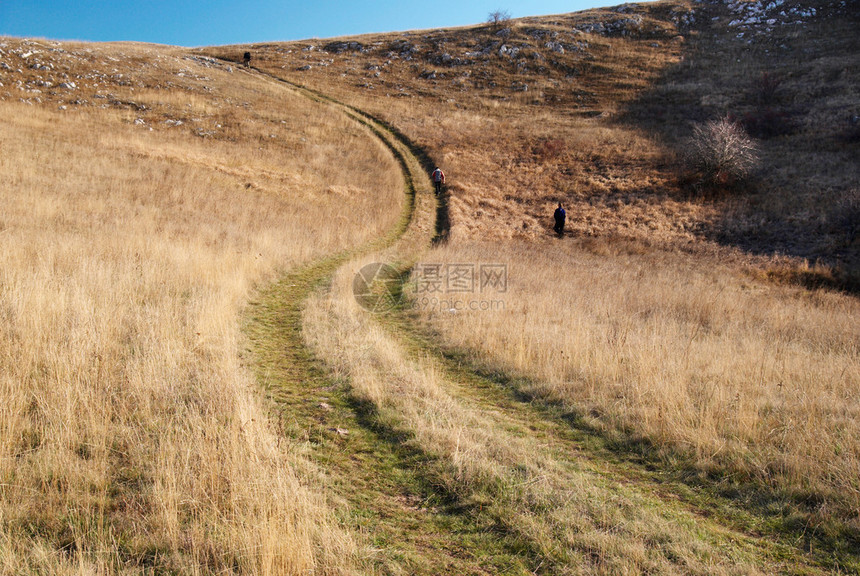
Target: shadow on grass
<point x="443" y="220"/>
<point x="802" y="202"/>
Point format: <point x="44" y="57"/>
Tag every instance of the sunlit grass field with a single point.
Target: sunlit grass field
<point x="133" y="437"/>
<point x="748" y="379"/>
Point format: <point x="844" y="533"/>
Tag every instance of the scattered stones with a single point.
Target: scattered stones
<point x="405" y="49"/>
<point x="448" y="60"/>
<point x="482" y="50"/>
<point x="209" y="62"/>
<point x="510" y="51"/>
<point x="683" y="19"/>
<point x="764" y="15"/>
<point x="341" y="47"/>
<point x="555" y="47"/>
<point x="621" y="27"/>
<point x="540" y="33"/>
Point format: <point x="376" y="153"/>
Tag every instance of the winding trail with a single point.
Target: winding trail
<point x="373" y="474"/>
<point x="418" y="448"/>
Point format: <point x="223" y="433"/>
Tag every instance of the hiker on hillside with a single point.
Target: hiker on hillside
<point x="560" y="216"/>
<point x="247" y="59"/>
<point x="438" y="179"/>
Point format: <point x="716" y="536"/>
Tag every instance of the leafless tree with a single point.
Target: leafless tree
<point x="498" y="17"/>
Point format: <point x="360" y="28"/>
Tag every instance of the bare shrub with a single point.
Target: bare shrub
<point x="721" y="152"/>
<point x="498" y="17"/>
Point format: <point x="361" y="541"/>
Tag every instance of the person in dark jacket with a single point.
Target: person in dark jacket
<point x="559" y="216"/>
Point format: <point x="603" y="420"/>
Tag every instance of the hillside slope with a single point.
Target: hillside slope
<point x="642" y="400"/>
<point x="655" y="320"/>
<point x="594" y="109"/>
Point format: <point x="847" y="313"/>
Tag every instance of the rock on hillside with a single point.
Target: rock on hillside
<point x="133" y="78"/>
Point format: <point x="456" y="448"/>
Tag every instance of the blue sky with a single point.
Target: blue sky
<point x="196" y="23"/>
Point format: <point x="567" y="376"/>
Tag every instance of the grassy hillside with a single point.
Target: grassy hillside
<point x="190" y="386"/>
<point x="656" y="319"/>
<point x="594" y="109"/>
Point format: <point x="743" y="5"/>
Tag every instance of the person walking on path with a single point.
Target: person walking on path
<point x="560" y="216"/>
<point x="438" y="179"/>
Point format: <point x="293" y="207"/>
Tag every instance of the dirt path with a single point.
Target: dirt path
<point x="374" y="478"/>
<point x="448" y="471"/>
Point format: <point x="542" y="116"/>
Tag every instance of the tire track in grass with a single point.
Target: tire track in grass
<point x="563" y="506"/>
<point x="370" y="471"/>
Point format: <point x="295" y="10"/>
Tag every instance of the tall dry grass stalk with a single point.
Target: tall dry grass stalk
<point x="753" y="379"/>
<point x="132" y="437"/>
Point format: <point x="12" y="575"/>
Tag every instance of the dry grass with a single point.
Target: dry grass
<point x="745" y="377"/>
<point x="619" y="106"/>
<point x="143" y="205"/>
<point x="544" y="497"/>
<point x="132" y="437"/>
<point x="491" y="137"/>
